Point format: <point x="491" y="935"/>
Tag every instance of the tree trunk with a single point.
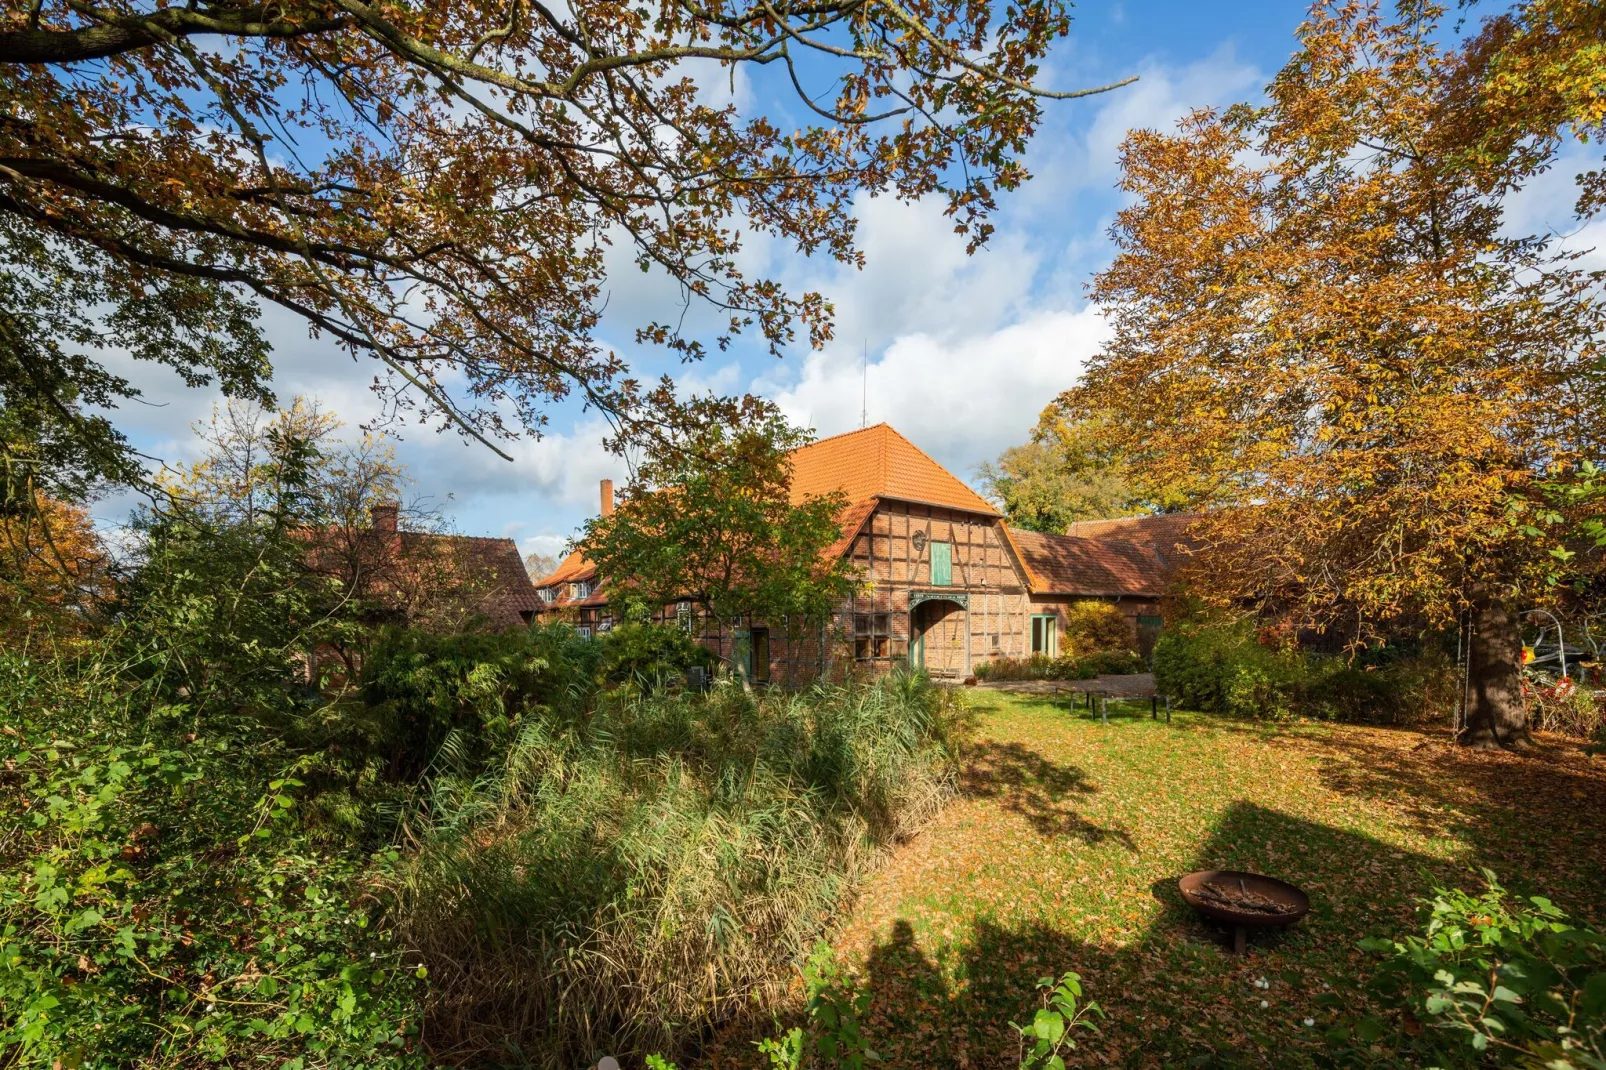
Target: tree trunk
<point x="1496" y="715"/>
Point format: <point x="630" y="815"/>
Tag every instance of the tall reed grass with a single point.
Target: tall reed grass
<point x="622" y="884"/>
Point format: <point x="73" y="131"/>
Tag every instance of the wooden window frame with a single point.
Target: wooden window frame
<point x="1050" y="633"/>
<point x="872" y="636"/>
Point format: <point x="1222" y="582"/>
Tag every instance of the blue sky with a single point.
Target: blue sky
<point x="963" y="352"/>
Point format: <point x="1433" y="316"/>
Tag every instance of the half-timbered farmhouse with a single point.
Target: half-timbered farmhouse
<point x="945" y="582"/>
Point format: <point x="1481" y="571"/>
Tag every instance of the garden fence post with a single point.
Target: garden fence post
<point x="1168" y="709"/>
<point x="1104" y="708"/>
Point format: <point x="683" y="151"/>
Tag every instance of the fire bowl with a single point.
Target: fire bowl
<point x="1243" y="901"/>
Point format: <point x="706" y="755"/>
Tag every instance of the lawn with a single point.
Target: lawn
<point x="1063" y="851"/>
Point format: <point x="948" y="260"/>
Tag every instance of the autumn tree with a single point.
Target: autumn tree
<point x="1070" y="469"/>
<point x="54" y="571"/>
<point x="540" y="565"/>
<point x="435" y="187"/>
<point x="1323" y="329"/>
<point x="709" y="517"/>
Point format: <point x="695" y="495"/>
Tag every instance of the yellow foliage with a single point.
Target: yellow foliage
<point x="52" y="569"/>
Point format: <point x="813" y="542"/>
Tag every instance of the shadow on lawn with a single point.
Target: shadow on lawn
<point x="1041" y="790"/>
<point x="1174" y="993"/>
<point x="1538" y="818"/>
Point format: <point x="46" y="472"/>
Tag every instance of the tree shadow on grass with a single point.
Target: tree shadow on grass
<point x="1039" y="789"/>
<point x="1538" y="819"/>
<point x="1175" y="995"/>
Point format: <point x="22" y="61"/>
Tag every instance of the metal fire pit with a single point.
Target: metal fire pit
<point x="1294" y="903"/>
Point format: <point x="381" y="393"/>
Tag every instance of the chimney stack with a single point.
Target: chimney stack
<point x="384" y="517"/>
<point x="607" y="497"/>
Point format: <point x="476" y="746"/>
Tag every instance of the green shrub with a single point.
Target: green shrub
<point x="625" y="881"/>
<point x="1495" y="980"/>
<point x="648" y="656"/>
<point x="1222" y="667"/>
<point x="1110" y="663"/>
<point x="1039" y="667"/>
<point x="468" y="691"/>
<point x="161" y="903"/>
<point x="1052" y="1029"/>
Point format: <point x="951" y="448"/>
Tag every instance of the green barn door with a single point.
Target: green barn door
<point x="942" y="564"/>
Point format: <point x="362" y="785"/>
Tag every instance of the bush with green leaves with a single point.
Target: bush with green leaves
<point x="1223" y="666"/>
<point x="1052" y="1029"/>
<point x="1494" y="979"/>
<point x="161" y="901"/>
<point x="468" y="692"/>
<point x="623" y="881"/>
<point x="835" y="1035"/>
<point x="646" y="655"/>
<point x="1093" y="626"/>
<point x="1041" y="667"/>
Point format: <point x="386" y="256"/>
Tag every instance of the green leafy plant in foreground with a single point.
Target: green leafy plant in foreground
<point x="1051" y="1030"/>
<point x="161" y="903"/>
<point x="836" y="1010"/>
<point x="1498" y="979"/>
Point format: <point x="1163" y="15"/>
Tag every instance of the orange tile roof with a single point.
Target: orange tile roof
<point x="1160" y="528"/>
<point x="574" y="566"/>
<point x="877" y="462"/>
<point x="850" y="520"/>
<point x="1065" y="564"/>
<point x="506" y="595"/>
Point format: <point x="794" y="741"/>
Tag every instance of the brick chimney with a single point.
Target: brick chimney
<point x="607" y="497"/>
<point x="384" y="516"/>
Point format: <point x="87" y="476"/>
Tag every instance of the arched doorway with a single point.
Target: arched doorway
<point x="939" y="634"/>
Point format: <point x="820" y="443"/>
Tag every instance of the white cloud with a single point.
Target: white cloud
<point x="549" y="544"/>
<point x="960" y="399"/>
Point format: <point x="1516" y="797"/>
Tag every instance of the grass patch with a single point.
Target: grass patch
<point x="1063" y="850"/>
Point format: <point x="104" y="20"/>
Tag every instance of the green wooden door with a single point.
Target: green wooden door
<point x="942" y="564"/>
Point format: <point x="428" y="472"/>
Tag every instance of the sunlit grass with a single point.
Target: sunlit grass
<point x="1064" y="849"/>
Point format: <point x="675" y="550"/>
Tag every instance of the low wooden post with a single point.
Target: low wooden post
<point x="1104" y="708"/>
<point x="1154" y="707"/>
<point x="1168" y="709"/>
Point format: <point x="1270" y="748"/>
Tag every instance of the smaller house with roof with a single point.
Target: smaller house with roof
<point x="419" y="578"/>
<point x="945" y="582"/>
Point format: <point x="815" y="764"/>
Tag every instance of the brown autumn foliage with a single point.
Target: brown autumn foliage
<point x="53" y="570"/>
<point x="437" y="186"/>
<point x="1323" y="331"/>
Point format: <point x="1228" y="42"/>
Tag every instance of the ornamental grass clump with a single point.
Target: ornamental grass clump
<point x="622" y="884"/>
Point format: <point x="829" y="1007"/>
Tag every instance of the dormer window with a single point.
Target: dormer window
<point x="582" y="590"/>
<point x="548" y="595"/>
